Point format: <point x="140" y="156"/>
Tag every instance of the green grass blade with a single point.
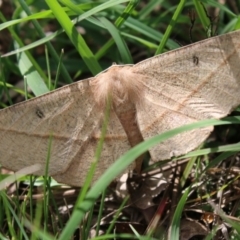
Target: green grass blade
<point x="58" y="70"/>
<point x="220" y="6"/>
<point x="51" y="49"/>
<point x="170" y="27"/>
<point x="12" y="214"/>
<point x="33" y="44"/>
<point x="116" y="215"/>
<point x="34" y="80"/>
<point x="8" y="210"/>
<point x="118" y="23"/>
<point x="202" y="14"/>
<point x="4" y="82"/>
<point x="29" y="67"/>
<point x="175" y="226"/>
<point x="150" y="6"/>
<point x="121" y="164"/>
<point x="122" y="46"/>
<point x="148" y="44"/>
<point x="226" y="148"/>
<point x="219" y="159"/>
<point x="75" y="37"/>
<point x="100" y="212"/>
<point x="148" y="32"/>
<point x="126" y="13"/>
<point x="99" y="8"/>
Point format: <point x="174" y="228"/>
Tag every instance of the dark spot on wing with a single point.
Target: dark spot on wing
<point x="195" y="60"/>
<point x="39" y="113"/>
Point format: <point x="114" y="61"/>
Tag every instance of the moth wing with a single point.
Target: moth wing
<point x="115" y="144"/>
<point x="200" y="81"/>
<point x="72" y="120"/>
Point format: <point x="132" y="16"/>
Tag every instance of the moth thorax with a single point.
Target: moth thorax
<point x="120" y="85"/>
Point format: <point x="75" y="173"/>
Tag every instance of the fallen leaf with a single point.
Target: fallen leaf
<point x="192" y="228"/>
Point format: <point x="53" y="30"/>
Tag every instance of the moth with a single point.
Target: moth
<point x="196" y="82"/>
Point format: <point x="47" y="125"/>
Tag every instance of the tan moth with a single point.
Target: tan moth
<point x="199" y="81"/>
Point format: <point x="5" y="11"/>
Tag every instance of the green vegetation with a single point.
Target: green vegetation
<point x="53" y="43"/>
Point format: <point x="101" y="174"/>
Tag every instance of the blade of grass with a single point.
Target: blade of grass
<point x="187" y="171"/>
<point x="33" y="78"/>
<point x="17" y="90"/>
<point x="202" y="14"/>
<point x="3" y="238"/>
<point x="51" y="49"/>
<point x="99" y="8"/>
<point x="37" y="233"/>
<point x="148" y="44"/>
<point x="219" y="211"/>
<point x="58" y="70"/>
<point x="47" y="14"/>
<point x="116" y="215"/>
<point x="29" y="67"/>
<point x="49" y="84"/>
<point x="46" y="185"/>
<point x="218" y="159"/>
<point x="118" y="23"/>
<point x="170" y="27"/>
<point x="9" y="210"/>
<point x="126" y="13"/>
<point x="118" y="167"/>
<point x="219" y="5"/>
<point x="148" y="32"/>
<point x="4" y="83"/>
<point x="97" y="154"/>
<point x="237" y="25"/>
<point x="75" y="37"/>
<point x="19" y="174"/>
<point x="33" y="44"/>
<point x="100" y="212"/>
<point x="75" y="9"/>
<point x="150" y="6"/>
<point x="226" y="148"/>
<point x="120" y="20"/>
<point x="88" y="224"/>
<point x="122" y="46"/>
<point x="175" y="225"/>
